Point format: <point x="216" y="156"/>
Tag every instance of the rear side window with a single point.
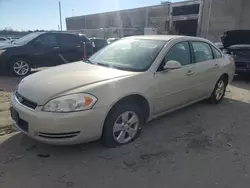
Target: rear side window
<point x="202" y="51"/>
<point x="68" y="40"/>
<point x="217" y="53"/>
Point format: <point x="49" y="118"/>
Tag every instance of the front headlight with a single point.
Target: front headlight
<point x="1" y="52"/>
<point x="70" y="103"/>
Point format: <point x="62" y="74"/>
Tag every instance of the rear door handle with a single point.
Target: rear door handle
<point x="189" y="73"/>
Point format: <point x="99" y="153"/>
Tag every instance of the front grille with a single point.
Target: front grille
<point x="24" y="101"/>
<point x="58" y="135"/>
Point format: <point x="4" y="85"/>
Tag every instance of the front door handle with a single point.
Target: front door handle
<point x="216" y="66"/>
<point x="56" y="47"/>
<point x="189" y="73"/>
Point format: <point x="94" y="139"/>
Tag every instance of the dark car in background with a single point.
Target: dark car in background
<point x="110" y="40"/>
<point x="43" y="49"/>
<point x="3" y="39"/>
<point x="237" y="44"/>
<point x="99" y="43"/>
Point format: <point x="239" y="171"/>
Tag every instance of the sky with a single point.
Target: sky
<point x="44" y="14"/>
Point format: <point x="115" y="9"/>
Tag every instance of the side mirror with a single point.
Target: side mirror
<point x="170" y="65"/>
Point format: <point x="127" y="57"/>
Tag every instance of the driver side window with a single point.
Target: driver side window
<point x="47" y="40"/>
<point x="179" y="52"/>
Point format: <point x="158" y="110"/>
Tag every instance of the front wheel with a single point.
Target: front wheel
<point x="219" y="91"/>
<point x="122" y="125"/>
<point x="19" y="67"/>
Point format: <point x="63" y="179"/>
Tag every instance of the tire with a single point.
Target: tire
<point x="219" y="91"/>
<point x="19" y="67"/>
<point x="114" y="125"/>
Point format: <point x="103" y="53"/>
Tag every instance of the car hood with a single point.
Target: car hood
<point x="235" y="37"/>
<point x="47" y="84"/>
<point x="6" y="45"/>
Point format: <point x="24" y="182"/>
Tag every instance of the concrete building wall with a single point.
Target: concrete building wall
<point x="221" y="15"/>
<point x="138" y="19"/>
<point x="158" y="17"/>
<point x="245" y="18"/>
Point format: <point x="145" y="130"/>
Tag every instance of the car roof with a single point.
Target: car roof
<point x="166" y="37"/>
<point x="95" y="38"/>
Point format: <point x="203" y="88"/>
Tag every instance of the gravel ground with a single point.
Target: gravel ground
<point x="200" y="146"/>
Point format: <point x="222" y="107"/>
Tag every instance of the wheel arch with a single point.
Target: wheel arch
<point x="25" y="56"/>
<point x="139" y="99"/>
<point x="226" y="76"/>
<point x="10" y="62"/>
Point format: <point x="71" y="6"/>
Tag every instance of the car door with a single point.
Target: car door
<point x="219" y="61"/>
<point x="45" y="50"/>
<point x="174" y="88"/>
<point x="205" y="67"/>
<point x="70" y="47"/>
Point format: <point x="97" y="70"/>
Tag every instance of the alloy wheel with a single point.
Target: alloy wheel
<point x="126" y="127"/>
<point x="220" y="90"/>
<point x="21" y="68"/>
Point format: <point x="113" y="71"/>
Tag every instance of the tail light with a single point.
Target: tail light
<point x="85" y="55"/>
<point x="84" y="52"/>
<point x="92" y="48"/>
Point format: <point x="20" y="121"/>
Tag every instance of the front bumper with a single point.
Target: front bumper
<point x="242" y="65"/>
<point x="60" y="128"/>
<point x="3" y="64"/>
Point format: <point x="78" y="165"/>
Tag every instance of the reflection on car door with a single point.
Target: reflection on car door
<point x="45" y="51"/>
<point x="174" y="88"/>
<point x="205" y="67"/>
<point x="70" y="47"/>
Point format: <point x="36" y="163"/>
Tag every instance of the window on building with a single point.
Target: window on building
<point x="186" y="10"/>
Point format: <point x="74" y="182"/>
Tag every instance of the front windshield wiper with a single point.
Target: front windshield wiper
<point x="88" y="61"/>
<point x="117" y="67"/>
<point x="104" y="65"/>
<point x="101" y="64"/>
<point x="112" y="66"/>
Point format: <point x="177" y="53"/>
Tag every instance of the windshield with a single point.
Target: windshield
<point x="27" y="38"/>
<point x="129" y="54"/>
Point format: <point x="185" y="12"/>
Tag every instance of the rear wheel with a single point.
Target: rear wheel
<point x="219" y="91"/>
<point x="122" y="125"/>
<point x="19" y="67"/>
